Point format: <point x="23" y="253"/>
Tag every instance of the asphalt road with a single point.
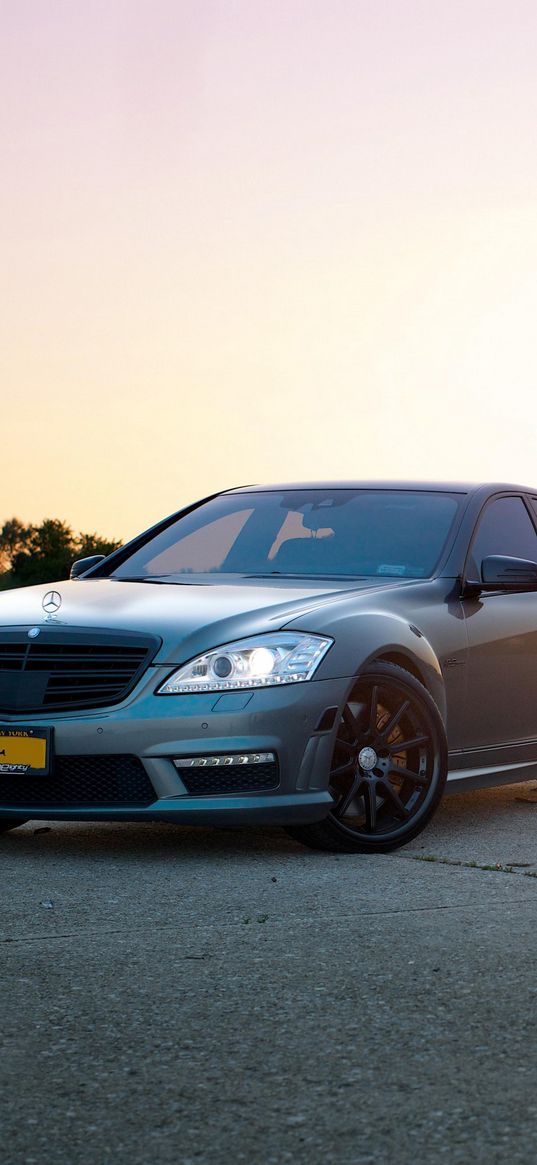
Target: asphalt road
<point x="195" y="996"/>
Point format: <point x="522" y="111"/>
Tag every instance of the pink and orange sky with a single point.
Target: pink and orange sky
<point x="253" y="241"/>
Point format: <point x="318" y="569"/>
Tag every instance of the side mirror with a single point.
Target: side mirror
<point x="82" y="565"/>
<point x="500" y="572"/>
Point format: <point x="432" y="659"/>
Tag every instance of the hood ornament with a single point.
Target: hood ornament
<point x="52" y="602"/>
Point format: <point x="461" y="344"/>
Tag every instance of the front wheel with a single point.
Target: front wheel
<point x="389" y="766"/>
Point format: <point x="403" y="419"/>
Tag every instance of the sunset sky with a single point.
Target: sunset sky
<point x="263" y="240"/>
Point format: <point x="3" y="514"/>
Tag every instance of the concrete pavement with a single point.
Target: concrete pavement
<point x="195" y="996"/>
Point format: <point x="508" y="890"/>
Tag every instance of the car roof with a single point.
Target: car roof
<point x="425" y="486"/>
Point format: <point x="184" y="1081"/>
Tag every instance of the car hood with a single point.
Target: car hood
<point x="189" y="618"/>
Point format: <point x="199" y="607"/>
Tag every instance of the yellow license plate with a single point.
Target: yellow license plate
<point x="24" y="751"/>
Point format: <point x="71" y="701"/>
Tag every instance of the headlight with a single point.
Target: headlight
<point x="285" y="657"/>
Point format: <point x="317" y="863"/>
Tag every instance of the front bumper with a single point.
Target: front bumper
<point x="292" y="721"/>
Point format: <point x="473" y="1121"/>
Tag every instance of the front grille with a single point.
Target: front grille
<point x="231" y="779"/>
<point x="72" y="669"/>
<point x="76" y="782"/>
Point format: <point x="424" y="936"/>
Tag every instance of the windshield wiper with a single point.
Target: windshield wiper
<point x="284" y="574"/>
<point x="147" y="578"/>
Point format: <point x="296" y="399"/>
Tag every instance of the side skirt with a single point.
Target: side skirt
<point x="487" y="775"/>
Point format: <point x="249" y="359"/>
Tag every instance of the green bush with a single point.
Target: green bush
<point x="45" y="553"/>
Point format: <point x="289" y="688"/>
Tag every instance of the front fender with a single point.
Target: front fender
<point x="360" y="638"/>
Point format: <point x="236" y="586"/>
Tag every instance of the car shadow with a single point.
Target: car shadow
<point x="149" y="841"/>
<point x="498" y="823"/>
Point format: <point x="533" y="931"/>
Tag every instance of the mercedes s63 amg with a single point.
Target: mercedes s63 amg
<point x="321" y="656"/>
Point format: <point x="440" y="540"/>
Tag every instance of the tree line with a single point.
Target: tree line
<point x="44" y="553"/>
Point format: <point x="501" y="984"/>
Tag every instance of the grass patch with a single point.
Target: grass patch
<point x="498" y="868"/>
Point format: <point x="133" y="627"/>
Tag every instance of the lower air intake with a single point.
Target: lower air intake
<point x="239" y="778"/>
<point x="78" y="782"/>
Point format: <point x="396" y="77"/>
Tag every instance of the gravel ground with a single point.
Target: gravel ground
<point x="191" y="996"/>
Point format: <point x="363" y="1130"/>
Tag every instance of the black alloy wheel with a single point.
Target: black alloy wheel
<point x="7" y="823"/>
<point x="389" y="766"/>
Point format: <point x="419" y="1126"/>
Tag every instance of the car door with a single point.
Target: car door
<point x="502" y="634"/>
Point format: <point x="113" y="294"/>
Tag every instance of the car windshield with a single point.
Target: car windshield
<point x="308" y="533"/>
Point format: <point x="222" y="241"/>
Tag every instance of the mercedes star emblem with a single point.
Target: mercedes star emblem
<point x="34" y="632"/>
<point x="52" y="602"/>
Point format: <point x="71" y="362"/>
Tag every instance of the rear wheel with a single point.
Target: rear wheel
<point x="11" y="823"/>
<point x="389" y="766"/>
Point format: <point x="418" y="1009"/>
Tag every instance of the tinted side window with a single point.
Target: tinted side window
<point x="505" y="528"/>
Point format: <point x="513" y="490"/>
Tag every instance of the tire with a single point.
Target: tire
<point x="389" y="766"/>
<point x="7" y="823"/>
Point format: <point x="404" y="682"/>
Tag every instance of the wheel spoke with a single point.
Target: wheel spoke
<point x="343" y="805"/>
<point x="348" y="767"/>
<point x="388" y="790"/>
<point x="351" y="722"/>
<point x="370" y="805"/>
<point x="416" y="778"/>
<point x="373" y="710"/>
<point x="387" y="731"/>
<point x="350" y="748"/>
<point x="402" y="745"/>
